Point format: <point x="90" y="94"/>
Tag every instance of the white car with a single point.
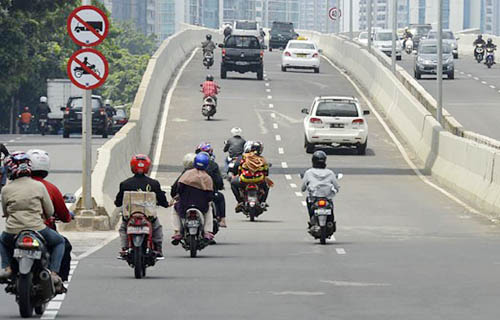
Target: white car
<point x="335" y="121"/>
<point x="301" y="54"/>
<point x="363" y="38"/>
<point x="382" y="40"/>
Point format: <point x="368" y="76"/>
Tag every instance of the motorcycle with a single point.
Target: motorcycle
<point x="79" y="71"/>
<point x="42" y="125"/>
<point x="252" y="204"/>
<point x="409" y="46"/>
<point x="31" y="281"/>
<point x="490" y="57"/>
<point x="209" y="107"/>
<point x="192" y="226"/>
<point x="208" y="59"/>
<point x="322" y="225"/>
<point x="479" y="53"/>
<point x="231" y="163"/>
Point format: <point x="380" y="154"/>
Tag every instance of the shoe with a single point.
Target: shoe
<point x="58" y="283"/>
<point x="222" y="223"/>
<point x="209" y="236"/>
<point x="5" y="274"/>
<point x="122" y="255"/>
<point x="176" y="238"/>
<point x="159" y="252"/>
<point x="239" y="207"/>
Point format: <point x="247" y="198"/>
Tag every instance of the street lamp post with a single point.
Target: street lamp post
<point x="394" y="33"/>
<point x="439" y="111"/>
<point x="369" y="13"/>
<point x="351" y="15"/>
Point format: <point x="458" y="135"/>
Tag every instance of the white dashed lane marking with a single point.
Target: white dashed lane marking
<point x="271" y="105"/>
<point x="340" y="251"/>
<point x="275" y="125"/>
<point x="298" y="194"/>
<point x="267" y="84"/>
<point x="492" y="87"/>
<point x="278" y="137"/>
<point x="56" y="303"/>
<point x="484" y="82"/>
<point x="269" y="97"/>
<point x="284" y="165"/>
<point x="273" y="115"/>
<point x="469" y="75"/>
<point x="304" y="203"/>
<point x="288" y="177"/>
<point x="476" y="78"/>
<point x="293" y="185"/>
<point x="268" y="90"/>
<point x="281" y="150"/>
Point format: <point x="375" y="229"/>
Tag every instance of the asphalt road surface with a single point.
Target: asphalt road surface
<point x="473" y="97"/>
<point x="402" y="249"/>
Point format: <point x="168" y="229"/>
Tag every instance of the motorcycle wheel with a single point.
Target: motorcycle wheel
<point x="24" y="284"/>
<point x="322" y="238"/>
<point x="252" y="214"/>
<point x="39" y="310"/>
<point x="193" y="244"/>
<point x="138" y="263"/>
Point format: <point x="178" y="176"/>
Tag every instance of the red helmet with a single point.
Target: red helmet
<point x="140" y="164"/>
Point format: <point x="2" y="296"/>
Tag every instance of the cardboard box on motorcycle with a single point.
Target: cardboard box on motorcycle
<point x="138" y="201"/>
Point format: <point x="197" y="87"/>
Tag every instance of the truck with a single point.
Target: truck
<point x="58" y="93"/>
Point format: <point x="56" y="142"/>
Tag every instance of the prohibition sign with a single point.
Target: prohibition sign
<point x="87" y="26"/>
<point x="334" y="13"/>
<point x="88" y="69"/>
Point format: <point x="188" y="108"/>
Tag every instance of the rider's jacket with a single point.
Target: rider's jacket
<point x="26" y="117"/>
<point x="214" y="173"/>
<point x="61" y="212"/>
<point x="235" y="146"/>
<point x="209" y="89"/>
<point x="320" y="183"/>
<point x="253" y="168"/>
<point x="208" y="45"/>
<point x="42" y="111"/>
<point x="479" y="42"/>
<point x="490" y="45"/>
<point x="195" y="188"/>
<point x="24" y="203"/>
<point x="141" y="182"/>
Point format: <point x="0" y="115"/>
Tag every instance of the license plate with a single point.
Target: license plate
<point x="301" y="55"/>
<point x="231" y="165"/>
<point x="21" y="253"/>
<point x="79" y="116"/>
<point x="241" y="63"/>
<point x="323" y="212"/>
<point x="337" y="125"/>
<point x="137" y="230"/>
<point x="193" y="223"/>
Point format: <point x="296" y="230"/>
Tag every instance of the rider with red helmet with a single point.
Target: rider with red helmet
<point x="140" y="165"/>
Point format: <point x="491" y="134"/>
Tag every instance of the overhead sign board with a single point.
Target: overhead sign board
<point x="87" y="26"/>
<point x="88" y="69"/>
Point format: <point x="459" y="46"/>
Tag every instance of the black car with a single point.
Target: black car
<point x="72" y="120"/>
<point x="242" y="53"/>
<point x="419" y="32"/>
<point x="119" y="119"/>
<point x="281" y="33"/>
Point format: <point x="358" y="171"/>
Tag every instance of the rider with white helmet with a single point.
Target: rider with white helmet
<point x="234" y="146"/>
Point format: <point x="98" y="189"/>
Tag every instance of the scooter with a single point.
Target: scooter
<point x="192" y="226"/>
<point x="208" y="59"/>
<point x="490" y="57"/>
<point x="209" y="107"/>
<point x="479" y="53"/>
<point x="409" y="46"/>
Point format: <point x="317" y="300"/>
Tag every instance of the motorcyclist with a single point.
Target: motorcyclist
<point x="209" y="88"/>
<point x="195" y="188"/>
<point x="227" y="31"/>
<point x="25" y="117"/>
<point x="188" y="163"/>
<point x="43" y="109"/>
<point x="208" y="45"/>
<point x="407" y="35"/>
<point x="251" y="167"/>
<point x="234" y="146"/>
<point x="110" y="110"/>
<point x="319" y="181"/>
<point x="26" y="203"/>
<point x="3" y="166"/>
<point x="478" y="42"/>
<point x="140" y="165"/>
<point x="40" y="166"/>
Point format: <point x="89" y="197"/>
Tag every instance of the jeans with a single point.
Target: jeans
<point x="157" y="233"/>
<point x="55" y="244"/>
<point x="236" y="184"/>
<point x="3" y="170"/>
<point x="220" y="205"/>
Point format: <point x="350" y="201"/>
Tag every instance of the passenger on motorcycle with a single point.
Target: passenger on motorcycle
<point x="407" y="35"/>
<point x="195" y="188"/>
<point x="251" y="167"/>
<point x="208" y="45"/>
<point x="234" y="146"/>
<point x="490" y="44"/>
<point x="40" y="166"/>
<point x="140" y="165"/>
<point x="319" y="182"/>
<point x="3" y="166"/>
<point x="26" y="204"/>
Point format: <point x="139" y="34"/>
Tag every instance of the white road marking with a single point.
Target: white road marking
<point x="269" y="97"/>
<point x="304" y="203"/>
<point x="340" y="251"/>
<point x="268" y="90"/>
<point x="402" y="149"/>
<point x="492" y="87"/>
<point x="288" y="177"/>
<point x="298" y="194"/>
<point x="484" y="82"/>
<point x="273" y="115"/>
<point x="354" y="284"/>
<point x="469" y="75"/>
<point x="271" y="105"/>
<point x="281" y="151"/>
<point x="49" y="315"/>
<point x="297" y="293"/>
<point x="59" y="297"/>
<point x="284" y="165"/>
<point x="275" y="125"/>
<point x="100" y="246"/>
<point x="461" y="72"/>
<point x="476" y="78"/>
<point x="54" y="305"/>
<point x="293" y="185"/>
<point x="262" y="123"/>
<point x="12" y="140"/>
<point x="278" y="137"/>
<point x="267" y="84"/>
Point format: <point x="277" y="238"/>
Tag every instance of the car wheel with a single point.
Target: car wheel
<point x="451" y="75"/>
<point x="283" y="69"/>
<point x="260" y="73"/>
<point x="455" y="56"/>
<point x="223" y="73"/>
<point x="362" y="148"/>
<point x="418" y="76"/>
<point x="316" y="70"/>
<point x="309" y="146"/>
<point x="65" y="133"/>
<point x="399" y="58"/>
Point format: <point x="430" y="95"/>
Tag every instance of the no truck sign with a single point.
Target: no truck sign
<point x="87" y="26"/>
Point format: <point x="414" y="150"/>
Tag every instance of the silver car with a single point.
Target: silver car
<point x="427" y="59"/>
<point x="448" y="38"/>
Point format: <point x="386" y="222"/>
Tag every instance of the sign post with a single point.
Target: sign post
<point x="88" y="69"/>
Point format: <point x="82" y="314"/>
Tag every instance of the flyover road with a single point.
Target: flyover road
<point x="473" y="97"/>
<point x="402" y="251"/>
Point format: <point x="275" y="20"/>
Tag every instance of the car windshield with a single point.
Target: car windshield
<point x="447" y="35"/>
<point x="246" y="25"/>
<point x="421" y="31"/>
<point x="383" y="36"/>
<point x="432" y="49"/>
<point x="282" y="28"/>
<point x="336" y="109"/>
<point x="236" y="42"/>
<point x="301" y="45"/>
<point x="76" y="104"/>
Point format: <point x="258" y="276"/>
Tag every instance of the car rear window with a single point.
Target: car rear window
<point x="246" y="25"/>
<point x="432" y="49"/>
<point x="447" y="35"/>
<point x="336" y="109"/>
<point x="301" y="45"/>
<point x="242" y="42"/>
<point x="383" y="36"/>
<point x="76" y="104"/>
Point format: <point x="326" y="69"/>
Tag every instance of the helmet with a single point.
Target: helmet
<point x="107" y="102"/>
<point x="188" y="161"/>
<point x="490" y="40"/>
<point x="205" y="147"/>
<point x="201" y="161"/>
<point x="236" y="131"/>
<point x="319" y="159"/>
<point x="247" y="146"/>
<point x="140" y="164"/>
<point x="209" y="37"/>
<point x="26" y="109"/>
<point x="480" y="36"/>
<point x="40" y="161"/>
<point x="43" y="99"/>
<point x="254" y="146"/>
<point x="210" y="77"/>
<point x="18" y="165"/>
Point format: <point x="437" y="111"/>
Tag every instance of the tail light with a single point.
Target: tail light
<point x="321" y="203"/>
<point x="223" y="52"/>
<point x="358" y="122"/>
<point x="66" y="111"/>
<point x="315" y="121"/>
<point x="122" y="121"/>
<point x="29" y="242"/>
<point x="252" y="187"/>
<point x="102" y="112"/>
<point x="315" y="55"/>
<point x="261" y="54"/>
<point x="288" y="54"/>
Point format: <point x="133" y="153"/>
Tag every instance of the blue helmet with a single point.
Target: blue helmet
<point x="201" y="161"/>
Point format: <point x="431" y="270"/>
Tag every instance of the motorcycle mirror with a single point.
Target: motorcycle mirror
<point x="221" y="45"/>
<point x="305" y="111"/>
<point x="301" y="175"/>
<point x="69" y="198"/>
<point x="340" y="176"/>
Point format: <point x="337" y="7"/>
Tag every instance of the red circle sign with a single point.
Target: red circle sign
<point x="88" y="69"/>
<point x="87" y="26"/>
<point x="334" y="13"/>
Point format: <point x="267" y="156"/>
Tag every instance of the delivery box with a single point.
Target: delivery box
<point x="138" y="201"/>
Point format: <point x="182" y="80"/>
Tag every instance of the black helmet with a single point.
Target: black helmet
<point x="319" y="159"/>
<point x="480" y="36"/>
<point x="210" y="77"/>
<point x="490" y="41"/>
<point x="209" y="37"/>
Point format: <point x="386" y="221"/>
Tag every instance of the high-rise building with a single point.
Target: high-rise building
<point x="282" y="10"/>
<point x="241" y="9"/>
<point x="141" y="12"/>
<point x="382" y="13"/>
<point x="203" y="12"/>
<point x="165" y="18"/>
<point x="313" y="15"/>
<point x="491" y="14"/>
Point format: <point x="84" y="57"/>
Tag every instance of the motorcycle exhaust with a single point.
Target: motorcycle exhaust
<point x="46" y="286"/>
<point x="44" y="275"/>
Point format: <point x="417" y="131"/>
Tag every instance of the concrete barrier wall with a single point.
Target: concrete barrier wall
<point x="463" y="165"/>
<point x="137" y="136"/>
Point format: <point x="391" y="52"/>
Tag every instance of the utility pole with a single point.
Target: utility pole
<point x="351" y="15"/>
<point x="439" y="111"/>
<point x="369" y="13"/>
<point x="394" y="33"/>
<point x="327" y="11"/>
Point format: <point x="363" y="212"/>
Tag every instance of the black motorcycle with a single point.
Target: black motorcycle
<point x="208" y="59"/>
<point x="479" y="53"/>
<point x="31" y="281"/>
<point x="192" y="226"/>
<point x="490" y="57"/>
<point x="42" y="125"/>
<point x="209" y="107"/>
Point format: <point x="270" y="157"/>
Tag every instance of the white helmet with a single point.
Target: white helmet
<point x="188" y="160"/>
<point x="107" y="102"/>
<point x="40" y="160"/>
<point x="236" y="131"/>
<point x="43" y="99"/>
<point x="247" y="147"/>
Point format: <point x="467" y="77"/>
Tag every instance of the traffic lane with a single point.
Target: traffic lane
<point x="469" y="66"/>
<point x="473" y="103"/>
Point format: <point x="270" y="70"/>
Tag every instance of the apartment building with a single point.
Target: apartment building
<point x="140" y="12"/>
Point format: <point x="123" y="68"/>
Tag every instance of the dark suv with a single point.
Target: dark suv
<point x="242" y="53"/>
<point x="281" y="33"/>
<point x="419" y="32"/>
<point x="72" y="120"/>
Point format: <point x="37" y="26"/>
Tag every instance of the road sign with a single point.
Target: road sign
<point x="87" y="26"/>
<point x="334" y="13"/>
<point x="88" y="69"/>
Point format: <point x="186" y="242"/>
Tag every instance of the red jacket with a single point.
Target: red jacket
<point x="210" y="89"/>
<point x="60" y="210"/>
